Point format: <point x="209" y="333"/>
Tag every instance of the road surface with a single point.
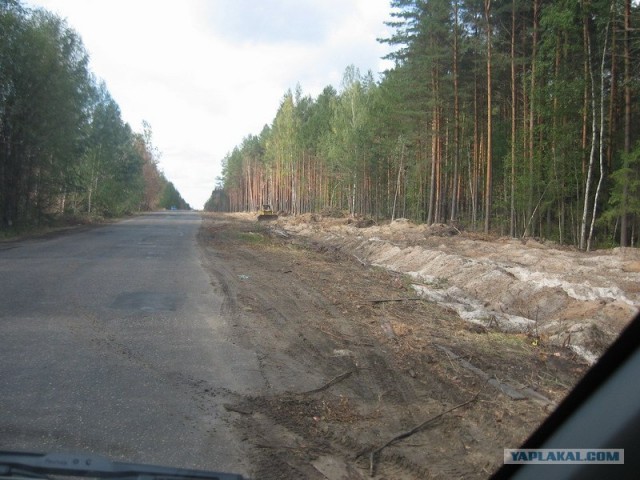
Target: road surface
<point x="112" y="342"/>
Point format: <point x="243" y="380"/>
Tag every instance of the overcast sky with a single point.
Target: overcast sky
<point x="206" y="73"/>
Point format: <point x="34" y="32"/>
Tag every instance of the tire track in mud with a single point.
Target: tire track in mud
<point x="305" y="318"/>
<point x="308" y="341"/>
<point x="303" y="312"/>
<point x="308" y="317"/>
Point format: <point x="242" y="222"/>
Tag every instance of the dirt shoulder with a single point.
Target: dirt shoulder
<point x="352" y="358"/>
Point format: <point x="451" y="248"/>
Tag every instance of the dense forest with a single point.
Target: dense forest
<point x="515" y="117"/>
<point x="64" y="148"/>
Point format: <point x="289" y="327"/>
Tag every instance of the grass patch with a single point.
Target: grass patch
<point x="496" y="342"/>
<point x="252" y="238"/>
<point x="516" y="340"/>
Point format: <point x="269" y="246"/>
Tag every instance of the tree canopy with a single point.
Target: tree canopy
<point x="510" y="116"/>
<point x="64" y="147"/>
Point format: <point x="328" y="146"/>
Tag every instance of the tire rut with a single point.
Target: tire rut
<point x="313" y="315"/>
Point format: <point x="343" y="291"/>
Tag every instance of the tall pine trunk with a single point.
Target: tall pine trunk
<point x="601" y="141"/>
<point x="456" y="117"/>
<point x="489" y="174"/>
<point x="627" y="121"/>
<point x="512" y="212"/>
<point x="592" y="154"/>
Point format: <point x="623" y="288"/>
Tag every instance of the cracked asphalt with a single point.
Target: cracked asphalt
<point x="112" y="342"/>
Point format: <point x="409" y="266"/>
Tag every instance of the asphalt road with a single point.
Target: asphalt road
<point x="112" y="342"/>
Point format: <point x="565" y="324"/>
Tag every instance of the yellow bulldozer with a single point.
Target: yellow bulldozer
<point x="266" y="213"/>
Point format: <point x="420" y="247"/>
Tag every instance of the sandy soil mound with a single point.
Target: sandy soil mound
<point x="557" y="294"/>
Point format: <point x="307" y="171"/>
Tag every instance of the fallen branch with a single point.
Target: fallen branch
<point x="384" y="300"/>
<point x="330" y="383"/>
<point x="280" y="233"/>
<point x="262" y="445"/>
<point x="360" y="260"/>
<point x="237" y="408"/>
<point x="406" y="434"/>
<point x="512" y="392"/>
<point x="337" y="337"/>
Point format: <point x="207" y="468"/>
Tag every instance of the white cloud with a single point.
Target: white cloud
<point x="206" y="73"/>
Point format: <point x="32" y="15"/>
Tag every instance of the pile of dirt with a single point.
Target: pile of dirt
<point x="561" y="295"/>
<point x="364" y="376"/>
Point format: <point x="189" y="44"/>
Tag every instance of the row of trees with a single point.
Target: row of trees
<point x="64" y="147"/>
<point x="511" y="116"/>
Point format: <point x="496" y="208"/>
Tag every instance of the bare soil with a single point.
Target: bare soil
<point x="354" y="355"/>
